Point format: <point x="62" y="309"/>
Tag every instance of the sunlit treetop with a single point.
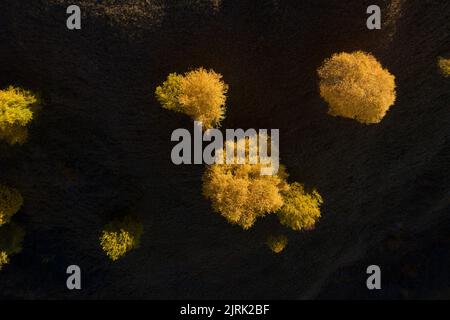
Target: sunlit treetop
<point x="300" y="210"/>
<point x="16" y="111"/>
<point x="15" y="107"/>
<point x="201" y="94"/>
<point x="356" y="86"/>
<point x="121" y="236"/>
<point x="240" y="193"/>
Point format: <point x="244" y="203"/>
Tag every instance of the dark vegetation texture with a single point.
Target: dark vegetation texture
<point x="101" y="146"/>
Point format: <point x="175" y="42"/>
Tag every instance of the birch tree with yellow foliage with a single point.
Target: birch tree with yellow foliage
<point x="200" y="94"/>
<point x="121" y="236"/>
<point x="300" y="209"/>
<point x="238" y="191"/>
<point x="356" y="86"/>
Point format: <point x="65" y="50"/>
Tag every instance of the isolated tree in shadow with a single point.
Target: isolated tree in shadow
<point x="277" y="243"/>
<point x="356" y="86"/>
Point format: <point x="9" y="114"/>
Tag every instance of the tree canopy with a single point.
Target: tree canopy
<point x="356" y="86"/>
<point x="200" y="93"/>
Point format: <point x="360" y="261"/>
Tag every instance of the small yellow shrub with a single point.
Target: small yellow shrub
<point x="444" y="66"/>
<point x="15" y="113"/>
<point x="11" y="238"/>
<point x="201" y="94"/>
<point x="356" y="86"/>
<point x="300" y="210"/>
<point x="240" y="193"/>
<point x="120" y="236"/>
<point x="277" y="243"/>
<point x="10" y="202"/>
<point x="116" y="243"/>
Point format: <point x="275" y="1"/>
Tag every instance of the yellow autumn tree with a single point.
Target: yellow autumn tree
<point x="11" y="238"/>
<point x="120" y="236"/>
<point x="356" y="86"/>
<point x="201" y="94"/>
<point x="300" y="209"/>
<point x="444" y="66"/>
<point x="15" y="114"/>
<point x="277" y="243"/>
<point x="239" y="192"/>
<point x="10" y="202"/>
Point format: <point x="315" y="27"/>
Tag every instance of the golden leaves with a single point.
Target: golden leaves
<point x="201" y="94"/>
<point x="356" y="86"/>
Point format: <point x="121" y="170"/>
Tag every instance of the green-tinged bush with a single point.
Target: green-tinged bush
<point x="242" y="194"/>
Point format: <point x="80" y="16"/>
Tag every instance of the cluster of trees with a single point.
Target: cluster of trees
<point x="241" y="194"/>
<point x="16" y="112"/>
<point x="356" y="86"/>
<point x="238" y="191"/>
<point x="444" y="66"/>
<point x="121" y="236"/>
